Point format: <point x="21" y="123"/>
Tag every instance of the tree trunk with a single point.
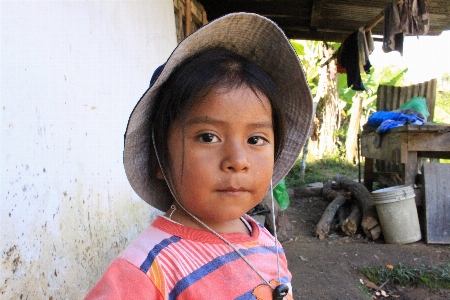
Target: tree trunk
<point x="305" y="148"/>
<point x="353" y="129"/>
<point x="323" y="139"/>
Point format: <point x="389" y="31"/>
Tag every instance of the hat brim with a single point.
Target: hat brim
<point x="259" y="40"/>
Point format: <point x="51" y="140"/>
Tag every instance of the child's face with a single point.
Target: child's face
<point x="225" y="166"/>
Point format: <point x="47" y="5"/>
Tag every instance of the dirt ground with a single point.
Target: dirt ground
<point x="329" y="268"/>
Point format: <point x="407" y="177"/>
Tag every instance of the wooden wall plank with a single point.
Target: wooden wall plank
<point x="391" y="97"/>
<point x="437" y="202"/>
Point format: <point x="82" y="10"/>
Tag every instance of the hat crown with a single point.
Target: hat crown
<point x="259" y="40"/>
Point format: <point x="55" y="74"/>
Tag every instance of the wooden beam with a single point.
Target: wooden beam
<point x="301" y="34"/>
<point x="374" y="22"/>
<point x="315" y="15"/>
<point x="377" y="19"/>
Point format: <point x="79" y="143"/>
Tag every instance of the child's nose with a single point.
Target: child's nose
<point x="235" y="158"/>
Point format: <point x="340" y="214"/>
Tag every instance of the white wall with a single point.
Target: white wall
<point x="71" y="73"/>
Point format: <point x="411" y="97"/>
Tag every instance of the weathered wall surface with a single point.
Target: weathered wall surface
<point x="71" y="73"/>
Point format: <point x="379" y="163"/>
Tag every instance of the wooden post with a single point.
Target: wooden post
<point x="411" y="168"/>
<point x="368" y="173"/>
<point x="188" y="18"/>
<point x="204" y="18"/>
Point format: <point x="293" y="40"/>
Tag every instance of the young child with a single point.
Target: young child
<point x="222" y="123"/>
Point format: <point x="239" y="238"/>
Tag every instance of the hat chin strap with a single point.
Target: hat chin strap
<point x="279" y="291"/>
<point x="275" y="230"/>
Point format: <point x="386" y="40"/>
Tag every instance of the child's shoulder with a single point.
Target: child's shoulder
<point x="164" y="235"/>
<point x="264" y="236"/>
<point x="138" y="250"/>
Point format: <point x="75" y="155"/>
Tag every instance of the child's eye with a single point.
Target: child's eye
<point x="208" y="138"/>
<point x="257" y="141"/>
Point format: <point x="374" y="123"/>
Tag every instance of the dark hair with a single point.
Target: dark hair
<point x="195" y="78"/>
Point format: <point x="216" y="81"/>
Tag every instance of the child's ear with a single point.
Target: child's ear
<point x="159" y="174"/>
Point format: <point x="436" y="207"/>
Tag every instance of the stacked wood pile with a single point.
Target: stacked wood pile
<point x="350" y="207"/>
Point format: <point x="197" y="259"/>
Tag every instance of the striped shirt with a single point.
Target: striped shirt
<point x="171" y="261"/>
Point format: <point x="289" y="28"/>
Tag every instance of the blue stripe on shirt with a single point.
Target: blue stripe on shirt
<point x="156" y="250"/>
<point x="214" y="265"/>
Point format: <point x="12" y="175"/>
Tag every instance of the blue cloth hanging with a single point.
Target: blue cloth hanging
<point x="381" y="121"/>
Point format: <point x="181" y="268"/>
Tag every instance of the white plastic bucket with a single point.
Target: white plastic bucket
<point x="397" y="212"/>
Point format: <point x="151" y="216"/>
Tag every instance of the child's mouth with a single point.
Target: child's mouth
<point x="233" y="190"/>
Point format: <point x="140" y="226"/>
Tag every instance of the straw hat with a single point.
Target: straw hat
<point x="259" y="40"/>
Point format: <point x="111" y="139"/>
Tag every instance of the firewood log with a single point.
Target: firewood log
<point x="351" y="223"/>
<point x="361" y="194"/>
<point x="342" y="215"/>
<point x="312" y="191"/>
<point x="308" y="192"/>
<point x="323" y="227"/>
<point x="328" y="192"/>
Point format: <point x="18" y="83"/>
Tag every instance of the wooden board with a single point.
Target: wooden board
<point x="393" y="147"/>
<point x="426" y="127"/>
<point x="437" y="202"/>
<point x="420" y="141"/>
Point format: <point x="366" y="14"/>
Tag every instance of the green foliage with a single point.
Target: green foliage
<point x="299" y="48"/>
<point x="443" y="101"/>
<point x="393" y="75"/>
<point x="309" y="53"/>
<point x="321" y="170"/>
<point x="442" y="105"/>
<point x="365" y="291"/>
<point x="441" y="114"/>
<point x="433" y="277"/>
<point x="445" y="79"/>
<point x="390" y="75"/>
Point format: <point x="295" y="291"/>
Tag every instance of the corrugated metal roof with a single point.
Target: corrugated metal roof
<point x="327" y="20"/>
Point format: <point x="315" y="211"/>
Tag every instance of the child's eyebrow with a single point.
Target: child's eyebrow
<point x="207" y="120"/>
